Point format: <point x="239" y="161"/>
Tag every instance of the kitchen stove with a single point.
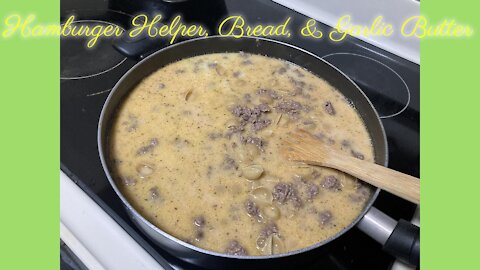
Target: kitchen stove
<point x="102" y="59"/>
<point x="88" y="75"/>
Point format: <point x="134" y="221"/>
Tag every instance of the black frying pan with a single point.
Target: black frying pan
<point x="401" y="239"/>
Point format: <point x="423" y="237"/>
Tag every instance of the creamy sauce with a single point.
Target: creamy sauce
<point x="194" y="150"/>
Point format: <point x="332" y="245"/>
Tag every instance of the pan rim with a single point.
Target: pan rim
<point x="137" y="215"/>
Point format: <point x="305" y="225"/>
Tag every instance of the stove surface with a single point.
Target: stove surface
<point x="88" y="75"/>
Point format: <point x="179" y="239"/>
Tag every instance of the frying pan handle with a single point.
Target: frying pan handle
<point x="401" y="239"/>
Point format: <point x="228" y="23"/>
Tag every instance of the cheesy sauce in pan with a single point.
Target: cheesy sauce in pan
<point x="194" y="149"/>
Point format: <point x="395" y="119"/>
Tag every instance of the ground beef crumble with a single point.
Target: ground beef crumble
<point x="283" y="192"/>
<point x="289" y="107"/>
<point x="234" y="248"/>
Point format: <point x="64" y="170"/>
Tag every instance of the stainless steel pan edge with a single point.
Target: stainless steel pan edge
<point x="261" y="46"/>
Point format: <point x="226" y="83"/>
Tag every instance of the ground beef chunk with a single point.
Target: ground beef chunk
<point x="312" y="191"/>
<point x="325" y="217"/>
<point x="299" y="87"/>
<point x="148" y="148"/>
<point x="296" y="201"/>
<point x="263" y="107"/>
<point x="252" y="209"/>
<point x="331" y="183"/>
<point x="258" y="123"/>
<point x="234" y="248"/>
<point x="261" y="124"/>
<point x="243" y="112"/>
<point x="357" y="155"/>
<point x="283" y="192"/>
<point x="258" y="142"/>
<point x="269" y="229"/>
<point x="229" y="163"/>
<point x="309" y="189"/>
<point x="289" y="107"/>
<point x="253" y="116"/>
<point x="328" y="107"/>
<point x="235" y="129"/>
<point x="268" y="92"/>
<point x="307" y="108"/>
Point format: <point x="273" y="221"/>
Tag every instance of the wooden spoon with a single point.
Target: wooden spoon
<point x="302" y="146"/>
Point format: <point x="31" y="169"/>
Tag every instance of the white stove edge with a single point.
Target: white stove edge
<point x="364" y="12"/>
<point x="95" y="238"/>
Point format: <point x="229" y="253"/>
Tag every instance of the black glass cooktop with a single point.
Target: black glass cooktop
<point x="88" y="75"/>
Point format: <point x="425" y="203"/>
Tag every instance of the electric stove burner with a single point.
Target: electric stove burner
<point x="386" y="89"/>
<point x="80" y="62"/>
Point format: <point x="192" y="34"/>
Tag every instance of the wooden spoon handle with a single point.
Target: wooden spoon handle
<point x="400" y="184"/>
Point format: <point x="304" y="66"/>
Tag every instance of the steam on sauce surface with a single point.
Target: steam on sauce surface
<point x="194" y="150"/>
